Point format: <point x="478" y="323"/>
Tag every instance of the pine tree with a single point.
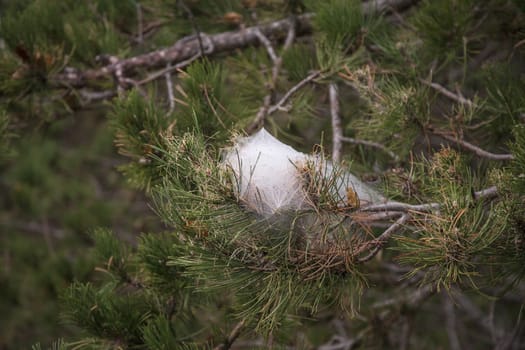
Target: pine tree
<point x="423" y="101"/>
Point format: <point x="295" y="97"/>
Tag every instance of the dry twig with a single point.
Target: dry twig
<point x="448" y="93"/>
<point x="277" y="64"/>
<point x="380" y="241"/>
<point x="169" y="89"/>
<point x="267" y="44"/>
<point x="188" y="47"/>
<point x="234" y="334"/>
<point x="292" y="91"/>
<point x="337" y="131"/>
<point x="472" y="148"/>
<point x="451" y="326"/>
<point x="371" y="144"/>
<point x="486" y="193"/>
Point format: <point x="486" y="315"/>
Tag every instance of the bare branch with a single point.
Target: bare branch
<point x="405" y="333"/>
<point x="474" y="313"/>
<point x="341" y="343"/>
<point x="413" y="298"/>
<point x="512" y="338"/>
<point x="185" y="49"/>
<point x="292" y="91"/>
<point x="475" y="149"/>
<point x="386" y="5"/>
<point x="371" y="144"/>
<point x="168" y="69"/>
<point x="232" y="337"/>
<point x="190" y="46"/>
<point x="169" y="88"/>
<point x="448" y="93"/>
<point x="451" y="326"/>
<point x="261" y="115"/>
<point x="290" y="37"/>
<point x="196" y="29"/>
<point x="91" y="96"/>
<point x="267" y="44"/>
<point x="486" y="193"/>
<point x="337" y="131"/>
<point x="380" y="216"/>
<point x="402" y="207"/>
<point x="380" y="241"/>
<point x="277" y="64"/>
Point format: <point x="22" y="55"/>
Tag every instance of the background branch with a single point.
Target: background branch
<point x="193" y="45"/>
<point x="337" y="131"/>
<point x="472" y="148"/>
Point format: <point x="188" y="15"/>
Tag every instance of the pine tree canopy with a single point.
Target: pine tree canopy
<point x="297" y="174"/>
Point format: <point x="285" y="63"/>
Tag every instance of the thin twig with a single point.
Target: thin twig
<point x="169" y="88"/>
<point x="391" y="208"/>
<point x="512" y="338"/>
<point x="413" y="298"/>
<point x="277" y="64"/>
<point x="91" y="96"/>
<point x="340" y="343"/>
<point x="267" y="44"/>
<point x="220" y="42"/>
<point x="474" y="313"/>
<point x="168" y="69"/>
<point x="196" y="29"/>
<point x="380" y="216"/>
<point x="234" y="334"/>
<point x="370" y="144"/>
<point x="406" y="329"/>
<point x="337" y="130"/>
<point x="292" y="91"/>
<point x="451" y="326"/>
<point x="448" y="93"/>
<point x="380" y="241"/>
<point x="290" y="37"/>
<point x="261" y="114"/>
<point x="475" y="149"/>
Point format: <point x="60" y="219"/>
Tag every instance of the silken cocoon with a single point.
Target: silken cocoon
<point x="271" y="177"/>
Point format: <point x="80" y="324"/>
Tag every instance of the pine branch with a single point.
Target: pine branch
<point x="202" y="44"/>
<point x="404" y="212"/>
<point x="186" y="48"/>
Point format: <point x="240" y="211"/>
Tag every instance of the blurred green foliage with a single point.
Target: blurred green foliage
<point x="58" y="185"/>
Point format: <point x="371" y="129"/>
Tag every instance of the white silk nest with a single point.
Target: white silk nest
<point x="269" y="176"/>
